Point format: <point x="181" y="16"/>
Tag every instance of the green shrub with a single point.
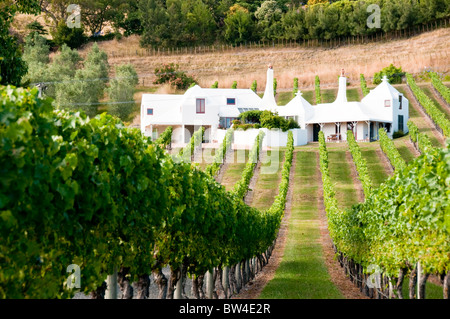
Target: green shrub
<point x="73" y="37"/>
<point x="393" y="74"/>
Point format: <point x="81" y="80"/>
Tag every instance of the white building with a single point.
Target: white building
<point x="215" y="109"/>
<point x="212" y="108"/>
<point x="384" y="106"/>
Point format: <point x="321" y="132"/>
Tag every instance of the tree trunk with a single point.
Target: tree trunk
<point x="124" y="283"/>
<point x="446" y="285"/>
<point x="243" y="273"/>
<point x="195" y="287"/>
<point x="161" y="281"/>
<point x="220" y="291"/>
<point x="412" y="283"/>
<point x="99" y="293"/>
<point x="143" y="286"/>
<point x="175" y="275"/>
<point x="399" y="285"/>
<point x="238" y="277"/>
<point x="365" y="288"/>
<point x="423" y="277"/>
<point x="232" y="280"/>
<point x="226" y="281"/>
<point x="201" y="293"/>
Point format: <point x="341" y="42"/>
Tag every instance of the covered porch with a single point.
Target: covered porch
<point x="336" y="132"/>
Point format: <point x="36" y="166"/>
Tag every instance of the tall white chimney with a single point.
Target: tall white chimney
<point x="342" y="93"/>
<point x="268" y="100"/>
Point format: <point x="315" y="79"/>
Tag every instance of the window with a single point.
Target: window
<point x="388" y="127"/>
<point x="149" y="111"/>
<point x="400" y="123"/>
<point x="231" y="101"/>
<point x="225" y="122"/>
<point x="387" y="103"/>
<point x="400" y="98"/>
<point x="201" y="106"/>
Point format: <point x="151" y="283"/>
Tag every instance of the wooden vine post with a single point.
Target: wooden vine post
<point x="111" y="292"/>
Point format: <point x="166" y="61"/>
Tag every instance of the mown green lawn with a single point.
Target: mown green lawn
<point x="283" y="98"/>
<point x="329" y="95"/>
<point x="353" y="95"/>
<point x="309" y="96"/>
<point x="302" y="273"/>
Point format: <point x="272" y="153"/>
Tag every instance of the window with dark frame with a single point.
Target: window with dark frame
<point x="200" y="106"/>
<point x="400" y="100"/>
<point x="149" y="111"/>
<point x="231" y="101"/>
<point x="400" y="123"/>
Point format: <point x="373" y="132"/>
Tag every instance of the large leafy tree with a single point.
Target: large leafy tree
<point x="121" y="91"/>
<point x="239" y="25"/>
<point x="85" y="89"/>
<point x="36" y="56"/>
<point x="269" y="16"/>
<point x="12" y="66"/>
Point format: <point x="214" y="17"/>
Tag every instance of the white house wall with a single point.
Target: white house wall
<point x="396" y="112"/>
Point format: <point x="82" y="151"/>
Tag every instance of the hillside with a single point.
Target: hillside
<point x="429" y="49"/>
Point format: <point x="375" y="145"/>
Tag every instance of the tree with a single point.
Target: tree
<point x="127" y="17"/>
<point x="84" y="90"/>
<point x="269" y="15"/>
<point x="72" y="37"/>
<point x="154" y="20"/>
<point x="239" y="25"/>
<point x="121" y="91"/>
<point x="293" y="24"/>
<point x="200" y="21"/>
<point x="62" y="68"/>
<point x="96" y="70"/>
<point x="36" y="56"/>
<point x="12" y="66"/>
<point x="170" y="73"/>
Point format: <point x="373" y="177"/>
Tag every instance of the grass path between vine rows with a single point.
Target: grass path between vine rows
<point x="418" y="116"/>
<point x="302" y="273"/>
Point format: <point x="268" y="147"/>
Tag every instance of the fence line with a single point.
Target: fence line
<point x="283" y="43"/>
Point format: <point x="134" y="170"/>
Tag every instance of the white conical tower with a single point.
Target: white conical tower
<point x="342" y="93"/>
<point x="268" y="100"/>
